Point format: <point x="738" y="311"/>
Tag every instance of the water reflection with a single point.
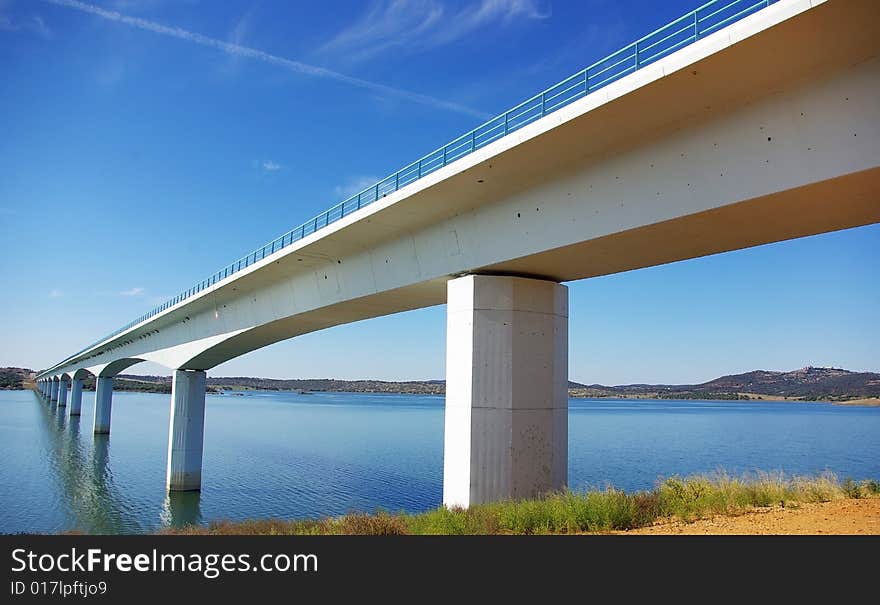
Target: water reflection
<point x="84" y="476"/>
<point x="85" y="481"/>
<point x="181" y="509"/>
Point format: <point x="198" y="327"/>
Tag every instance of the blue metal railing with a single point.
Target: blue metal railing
<point x="705" y="20"/>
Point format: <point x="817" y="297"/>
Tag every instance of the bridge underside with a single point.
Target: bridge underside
<point x="839" y="203"/>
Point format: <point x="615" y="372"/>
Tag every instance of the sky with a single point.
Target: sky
<point x="146" y="143"/>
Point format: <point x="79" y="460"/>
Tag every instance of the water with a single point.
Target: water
<point x="289" y="455"/>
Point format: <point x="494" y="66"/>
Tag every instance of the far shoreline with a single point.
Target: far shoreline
<point x="752" y="397"/>
<point x="867" y="402"/>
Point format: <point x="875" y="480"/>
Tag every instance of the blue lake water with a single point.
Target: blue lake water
<point x="288" y="455"/>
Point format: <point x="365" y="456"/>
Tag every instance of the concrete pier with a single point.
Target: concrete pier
<point x="62" y="392"/>
<point x="186" y="431"/>
<point x="76" y="396"/>
<point x="103" y="404"/>
<point x="53" y="396"/>
<point x="506" y="432"/>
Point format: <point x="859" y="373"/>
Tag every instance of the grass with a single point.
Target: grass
<point x="688" y="499"/>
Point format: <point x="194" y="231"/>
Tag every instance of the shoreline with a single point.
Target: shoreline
<point x="698" y="503"/>
<point x="753" y="398"/>
<point x="869" y="402"/>
<point x="747" y="398"/>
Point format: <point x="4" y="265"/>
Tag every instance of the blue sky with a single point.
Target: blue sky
<point x="145" y="143"/>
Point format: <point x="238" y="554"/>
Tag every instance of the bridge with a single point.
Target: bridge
<point x="741" y="123"/>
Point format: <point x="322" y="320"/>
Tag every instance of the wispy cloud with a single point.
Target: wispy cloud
<point x="132" y="292"/>
<point x="270" y="166"/>
<point x="55" y="294"/>
<point x="33" y="24"/>
<point x="141" y="5"/>
<point x="423" y="24"/>
<point x="237" y="36"/>
<point x="355" y="185"/>
<point x="259" y="55"/>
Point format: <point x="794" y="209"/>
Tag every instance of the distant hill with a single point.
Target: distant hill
<point x="243" y="383"/>
<point x="805" y="384"/>
<point x="15" y="378"/>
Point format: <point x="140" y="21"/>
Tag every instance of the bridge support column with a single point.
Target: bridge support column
<point x="76" y="397"/>
<point x="103" y="404"/>
<point x="506" y="431"/>
<point x="187" y="430"/>
<point x="53" y="397"/>
<point x="62" y="393"/>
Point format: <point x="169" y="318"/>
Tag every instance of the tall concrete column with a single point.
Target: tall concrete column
<point x="62" y="393"/>
<point x="76" y="397"/>
<point x="54" y="395"/>
<point x="186" y="431"/>
<point x="506" y="432"/>
<point x="103" y="404"/>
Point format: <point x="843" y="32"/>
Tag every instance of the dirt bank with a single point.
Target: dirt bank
<point x="827" y="518"/>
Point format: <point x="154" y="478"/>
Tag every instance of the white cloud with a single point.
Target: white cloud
<point x="355" y="185"/>
<point x="132" y="292"/>
<point x="259" y="55"/>
<point x="423" y="24"/>
<point x="55" y="294"/>
<point x="33" y="24"/>
<point x="270" y="166"/>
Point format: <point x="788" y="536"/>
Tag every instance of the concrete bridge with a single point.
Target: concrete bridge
<point x="742" y="123"/>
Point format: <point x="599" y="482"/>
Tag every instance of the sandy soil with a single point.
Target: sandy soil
<point x="869" y="402"/>
<point x="837" y="517"/>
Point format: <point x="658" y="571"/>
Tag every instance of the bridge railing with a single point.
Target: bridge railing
<point x="696" y="24"/>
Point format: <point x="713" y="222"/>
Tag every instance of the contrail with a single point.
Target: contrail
<point x="259" y="55"/>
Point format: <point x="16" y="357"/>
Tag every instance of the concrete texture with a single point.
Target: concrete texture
<point x="103" y="404"/>
<point x="506" y="431"/>
<point x="76" y="392"/>
<point x="63" y="385"/>
<point x="186" y="431"/>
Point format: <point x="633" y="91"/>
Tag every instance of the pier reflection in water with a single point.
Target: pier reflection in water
<point x="80" y="463"/>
